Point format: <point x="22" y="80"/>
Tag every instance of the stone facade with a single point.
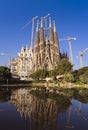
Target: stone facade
<point x="13" y="66"/>
<point x="23" y="64"/>
<point x="46" y="47"/>
<point x="44" y="55"/>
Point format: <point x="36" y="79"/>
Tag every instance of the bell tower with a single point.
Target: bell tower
<point x="46" y="47"/>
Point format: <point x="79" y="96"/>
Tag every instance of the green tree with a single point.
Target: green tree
<point x="64" y="66"/>
<point x="53" y="72"/>
<point x="84" y="77"/>
<point x="43" y="73"/>
<point x="69" y="77"/>
<point x="4" y="74"/>
<point x="35" y="75"/>
<point x="40" y="74"/>
<point x="81" y="72"/>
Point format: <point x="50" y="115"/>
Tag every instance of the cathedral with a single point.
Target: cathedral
<point x="46" y="47"/>
<point x="44" y="55"/>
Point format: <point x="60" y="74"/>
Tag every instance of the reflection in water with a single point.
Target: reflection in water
<point x="79" y="111"/>
<point x="42" y="110"/>
<point x="68" y="125"/>
<point x="5" y="95"/>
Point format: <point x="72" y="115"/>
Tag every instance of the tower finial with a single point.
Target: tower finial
<point x="41" y="22"/>
<point x="37" y="26"/>
<point x="50" y="24"/>
<point x="54" y="25"/>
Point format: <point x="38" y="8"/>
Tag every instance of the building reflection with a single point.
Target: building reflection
<point x="68" y="124"/>
<point x="42" y="112"/>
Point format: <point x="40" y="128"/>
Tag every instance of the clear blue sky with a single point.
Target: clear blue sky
<point x="71" y="20"/>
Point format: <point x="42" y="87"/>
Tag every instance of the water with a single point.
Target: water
<point x="27" y="109"/>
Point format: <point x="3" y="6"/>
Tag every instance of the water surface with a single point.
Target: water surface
<point x="27" y="109"/>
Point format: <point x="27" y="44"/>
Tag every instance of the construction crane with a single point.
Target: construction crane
<point x="81" y="55"/>
<point x="8" y="54"/>
<point x="32" y="33"/>
<point x="79" y="111"/>
<point x="32" y="21"/>
<point x="44" y="19"/>
<point x="69" y="39"/>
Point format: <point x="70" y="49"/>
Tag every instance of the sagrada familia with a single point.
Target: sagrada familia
<point x="46" y="47"/>
<point x="44" y="54"/>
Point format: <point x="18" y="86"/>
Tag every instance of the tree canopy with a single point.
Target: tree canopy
<point x="39" y="74"/>
<point x="4" y="74"/>
<point x="64" y="66"/>
<point x="81" y="74"/>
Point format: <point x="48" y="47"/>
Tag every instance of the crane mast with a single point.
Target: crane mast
<point x="80" y="56"/>
<point x="7" y="54"/>
<point x="69" y="39"/>
<point x="32" y="33"/>
<point x="32" y="21"/>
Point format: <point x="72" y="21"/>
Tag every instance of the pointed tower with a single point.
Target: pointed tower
<point x="56" y="45"/>
<point x="46" y="48"/>
<point x="41" y="32"/>
<point x="55" y="35"/>
<point x="51" y="31"/>
<point x="51" y="41"/>
<point x="41" y="44"/>
<point x="37" y="34"/>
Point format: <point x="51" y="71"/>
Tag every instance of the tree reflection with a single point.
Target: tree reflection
<point x="5" y="94"/>
<point x="81" y="95"/>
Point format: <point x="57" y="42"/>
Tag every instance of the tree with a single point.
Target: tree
<point x="79" y="74"/>
<point x="40" y="74"/>
<point x="82" y="70"/>
<point x="84" y="77"/>
<point x="43" y="73"/>
<point x="53" y="72"/>
<point x="63" y="55"/>
<point x="64" y="66"/>
<point x="5" y="74"/>
<point x="69" y="77"/>
<point x="34" y="75"/>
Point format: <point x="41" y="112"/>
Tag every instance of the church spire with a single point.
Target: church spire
<point x="41" y="22"/>
<point x="51" y="31"/>
<point x="37" y="34"/>
<point x="50" y="23"/>
<point x="54" y="25"/>
<point x="37" y="26"/>
<point x="42" y="31"/>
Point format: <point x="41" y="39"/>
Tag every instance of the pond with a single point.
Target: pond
<point x="39" y="109"/>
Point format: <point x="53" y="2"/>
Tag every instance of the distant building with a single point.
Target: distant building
<point x="13" y="66"/>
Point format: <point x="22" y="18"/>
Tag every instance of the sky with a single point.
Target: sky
<point x="71" y="18"/>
